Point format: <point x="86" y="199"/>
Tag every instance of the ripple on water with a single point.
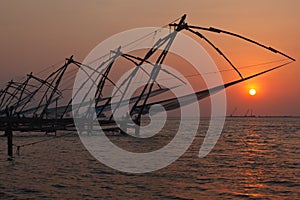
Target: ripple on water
<point x="253" y="159"/>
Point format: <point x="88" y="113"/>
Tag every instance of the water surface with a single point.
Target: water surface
<point x="255" y="158"/>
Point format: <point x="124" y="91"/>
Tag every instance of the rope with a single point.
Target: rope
<point x="208" y="73"/>
<point x="50" y="67"/>
<point x="40" y="141"/>
<point x="139" y="39"/>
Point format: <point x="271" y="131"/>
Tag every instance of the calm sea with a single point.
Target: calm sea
<point x="255" y="158"/>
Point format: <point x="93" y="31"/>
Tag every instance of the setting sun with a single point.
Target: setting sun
<point x="252" y="92"/>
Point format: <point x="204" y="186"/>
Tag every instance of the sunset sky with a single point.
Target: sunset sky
<point x="35" y="34"/>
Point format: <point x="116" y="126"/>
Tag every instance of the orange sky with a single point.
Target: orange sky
<point x="35" y="34"/>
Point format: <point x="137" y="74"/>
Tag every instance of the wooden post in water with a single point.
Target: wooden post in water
<point x="56" y="115"/>
<point x="137" y="126"/>
<point x="124" y="124"/>
<point x="9" y="134"/>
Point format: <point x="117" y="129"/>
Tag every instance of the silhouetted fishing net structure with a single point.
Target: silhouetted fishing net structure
<point x="46" y="103"/>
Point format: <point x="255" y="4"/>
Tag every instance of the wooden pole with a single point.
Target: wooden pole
<point x="9" y="143"/>
<point x="137" y="126"/>
<point x="56" y="115"/>
<point x="9" y="135"/>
